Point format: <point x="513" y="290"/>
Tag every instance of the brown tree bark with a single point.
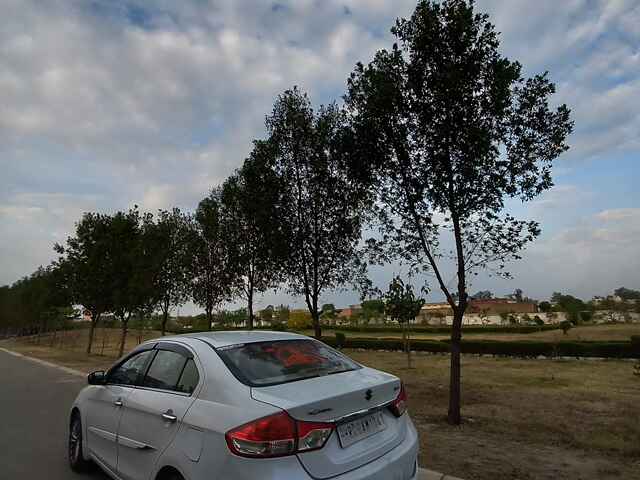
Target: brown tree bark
<point x="454" y="416"/>
<point x="123" y="337"/>
<point x="95" y="317"/>
<point x="250" y="307"/>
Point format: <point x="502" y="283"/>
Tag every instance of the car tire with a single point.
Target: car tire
<point x="75" y="453"/>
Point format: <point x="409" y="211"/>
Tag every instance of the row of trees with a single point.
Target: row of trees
<point x="435" y="134"/>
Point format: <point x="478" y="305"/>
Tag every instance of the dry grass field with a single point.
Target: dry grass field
<point x="524" y="419"/>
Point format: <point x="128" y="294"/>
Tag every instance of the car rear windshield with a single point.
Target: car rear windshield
<point x="261" y="364"/>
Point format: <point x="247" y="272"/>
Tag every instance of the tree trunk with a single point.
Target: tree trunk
<point x="317" y="330"/>
<point x="250" y="308"/>
<point x="209" y="311"/>
<point x="454" y="416"/>
<point x="407" y="342"/>
<point x="95" y="317"/>
<point x="165" y="317"/>
<point x="315" y="318"/>
<point x="123" y="337"/>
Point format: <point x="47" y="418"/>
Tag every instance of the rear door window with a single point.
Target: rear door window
<point x="270" y="363"/>
<point x="189" y="378"/>
<point x="165" y="370"/>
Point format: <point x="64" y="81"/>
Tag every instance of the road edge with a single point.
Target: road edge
<point x="424" y="474"/>
<point x="68" y="370"/>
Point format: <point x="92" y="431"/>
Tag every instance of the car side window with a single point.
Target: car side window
<point x="189" y="378"/>
<point x="131" y="370"/>
<point x="165" y="370"/>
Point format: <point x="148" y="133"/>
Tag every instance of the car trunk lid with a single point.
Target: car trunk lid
<point x="346" y="399"/>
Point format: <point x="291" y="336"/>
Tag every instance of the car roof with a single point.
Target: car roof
<point x="226" y="338"/>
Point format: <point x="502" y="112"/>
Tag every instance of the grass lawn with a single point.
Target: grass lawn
<point x="524" y="419"/>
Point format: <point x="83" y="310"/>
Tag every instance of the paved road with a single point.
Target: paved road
<point x="34" y="407"/>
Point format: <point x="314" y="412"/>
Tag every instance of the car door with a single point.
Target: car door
<point x="154" y="411"/>
<point x="104" y="407"/>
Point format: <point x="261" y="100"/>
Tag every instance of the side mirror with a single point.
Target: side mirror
<point x="97" y="378"/>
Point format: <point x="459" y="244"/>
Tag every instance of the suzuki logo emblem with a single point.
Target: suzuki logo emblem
<point x="368" y="394"/>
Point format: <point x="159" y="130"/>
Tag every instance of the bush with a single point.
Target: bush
<point x="447" y="329"/>
<point x="528" y="349"/>
<point x="538" y="321"/>
<point x="341" y="339"/>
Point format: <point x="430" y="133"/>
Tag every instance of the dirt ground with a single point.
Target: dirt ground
<point x="524" y="419"/>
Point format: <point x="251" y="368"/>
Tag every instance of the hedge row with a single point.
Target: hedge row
<point x="414" y="329"/>
<point x="495" y="347"/>
<point x="447" y="329"/>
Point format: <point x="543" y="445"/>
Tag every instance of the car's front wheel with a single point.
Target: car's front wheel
<point x="76" y="458"/>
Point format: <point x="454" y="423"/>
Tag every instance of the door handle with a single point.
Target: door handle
<point x="169" y="416"/>
<point x="118" y="403"/>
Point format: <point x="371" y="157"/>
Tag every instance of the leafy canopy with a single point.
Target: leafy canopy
<point x="447" y="130"/>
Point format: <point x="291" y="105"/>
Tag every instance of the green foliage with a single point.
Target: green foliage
<point x="482" y="295"/>
<point x="320" y="204"/>
<point x="627" y="294"/>
<point x="328" y="312"/>
<point x="250" y="206"/>
<point x="266" y="315"/>
<point x="299" y="320"/>
<point x="214" y="274"/>
<point x="372" y="310"/>
<point x="527" y="349"/>
<point x="544" y="307"/>
<point x="447" y="129"/>
<point x="170" y="241"/>
<point x="401" y="303"/>
<point x="40" y="301"/>
<point x="279" y="327"/>
<point x="394" y="330"/>
<point x="538" y="320"/>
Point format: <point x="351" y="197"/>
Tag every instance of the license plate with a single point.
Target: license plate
<point x="352" y="432"/>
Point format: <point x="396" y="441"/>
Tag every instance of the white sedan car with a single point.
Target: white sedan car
<point x="243" y="406"/>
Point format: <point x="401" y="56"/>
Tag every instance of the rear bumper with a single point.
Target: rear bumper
<point x="401" y="463"/>
<point x="397" y="464"/>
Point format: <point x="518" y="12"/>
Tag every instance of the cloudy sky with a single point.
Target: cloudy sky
<point x="109" y="103"/>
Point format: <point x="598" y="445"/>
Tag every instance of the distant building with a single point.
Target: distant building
<point x="348" y="312"/>
<point x="496" y="306"/>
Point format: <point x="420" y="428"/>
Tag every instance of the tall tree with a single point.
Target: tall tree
<point x="320" y="203"/>
<point x="254" y="235"/>
<point x="214" y="275"/>
<point x="124" y="236"/>
<point x="86" y="266"/>
<point x="170" y="236"/>
<point x="447" y="130"/>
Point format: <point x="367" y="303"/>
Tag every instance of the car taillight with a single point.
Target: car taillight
<point x="399" y="405"/>
<point x="276" y="436"/>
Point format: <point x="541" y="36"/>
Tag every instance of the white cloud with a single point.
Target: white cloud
<point x="99" y="110"/>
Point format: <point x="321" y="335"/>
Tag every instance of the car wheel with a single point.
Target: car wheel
<point x="76" y="458"/>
